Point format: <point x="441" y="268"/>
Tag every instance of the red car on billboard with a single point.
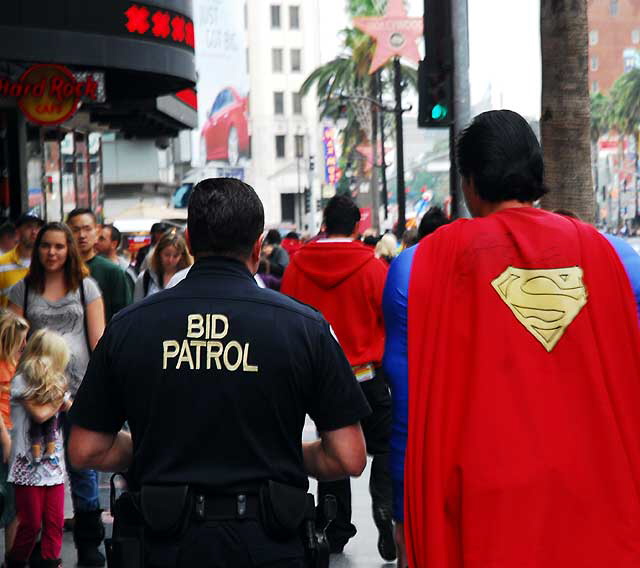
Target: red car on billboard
<point x="225" y="134"/>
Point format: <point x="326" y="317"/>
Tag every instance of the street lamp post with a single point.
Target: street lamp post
<point x="398" y="111"/>
<point x="397" y="87"/>
<point x="383" y="161"/>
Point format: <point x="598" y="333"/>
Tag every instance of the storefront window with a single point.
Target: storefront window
<point x="53" y="180"/>
<point x="82" y="170"/>
<point x="95" y="172"/>
<point x="68" y="175"/>
<point x="35" y="172"/>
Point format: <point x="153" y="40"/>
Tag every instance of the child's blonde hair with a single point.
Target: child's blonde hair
<point x="12" y="328"/>
<point x="42" y="365"/>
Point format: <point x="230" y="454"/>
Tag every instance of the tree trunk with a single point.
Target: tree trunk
<point x="565" y="116"/>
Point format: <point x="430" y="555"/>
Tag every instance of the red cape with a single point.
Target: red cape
<point x="517" y="455"/>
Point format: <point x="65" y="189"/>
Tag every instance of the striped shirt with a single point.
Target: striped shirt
<point x="12" y="270"/>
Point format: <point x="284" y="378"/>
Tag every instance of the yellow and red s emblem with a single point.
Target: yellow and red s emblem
<point x="544" y="301"/>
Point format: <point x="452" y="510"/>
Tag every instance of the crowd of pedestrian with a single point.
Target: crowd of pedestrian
<point x="465" y="351"/>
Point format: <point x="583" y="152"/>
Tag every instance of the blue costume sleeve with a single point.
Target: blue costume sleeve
<point x="395" y="362"/>
<point x="631" y="262"/>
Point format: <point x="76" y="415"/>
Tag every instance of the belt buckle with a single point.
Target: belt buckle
<point x="241" y="505"/>
<point x="199" y="508"/>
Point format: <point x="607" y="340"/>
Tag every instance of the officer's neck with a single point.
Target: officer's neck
<point x="251" y="266"/>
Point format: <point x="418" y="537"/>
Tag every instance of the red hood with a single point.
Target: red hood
<point x="330" y="264"/>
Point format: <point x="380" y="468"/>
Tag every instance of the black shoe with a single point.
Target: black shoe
<point x="88" y="533"/>
<point x="336" y="546"/>
<point x="386" y="540"/>
<point x="90" y="556"/>
<point x="51" y="563"/>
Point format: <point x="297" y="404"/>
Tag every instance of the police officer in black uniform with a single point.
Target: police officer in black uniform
<point x="214" y="378"/>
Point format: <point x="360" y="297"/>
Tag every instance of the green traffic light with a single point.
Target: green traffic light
<point x="439" y="112"/>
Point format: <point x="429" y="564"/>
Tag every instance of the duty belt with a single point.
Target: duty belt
<point x="225" y="507"/>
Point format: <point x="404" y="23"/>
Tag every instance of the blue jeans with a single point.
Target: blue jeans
<point x="84" y="482"/>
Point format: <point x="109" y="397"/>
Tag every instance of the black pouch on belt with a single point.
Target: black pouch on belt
<point x="166" y="509"/>
<point x="282" y="509"/>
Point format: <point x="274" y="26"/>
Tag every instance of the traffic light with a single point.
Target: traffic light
<point x="435" y="74"/>
<point x="312" y="163"/>
<point x="435" y="97"/>
<point x="307" y="200"/>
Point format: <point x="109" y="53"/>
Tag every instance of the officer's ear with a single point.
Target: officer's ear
<point x="186" y="238"/>
<point x="254" y="259"/>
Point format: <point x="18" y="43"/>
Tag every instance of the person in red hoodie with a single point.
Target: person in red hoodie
<point x="344" y="280"/>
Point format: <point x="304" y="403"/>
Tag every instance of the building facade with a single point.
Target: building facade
<point x="283" y="48"/>
<point x="614" y="41"/>
<point x="71" y="71"/>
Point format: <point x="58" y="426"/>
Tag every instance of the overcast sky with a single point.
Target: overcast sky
<point x="504" y="49"/>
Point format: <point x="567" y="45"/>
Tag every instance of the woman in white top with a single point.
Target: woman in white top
<point x="169" y="256"/>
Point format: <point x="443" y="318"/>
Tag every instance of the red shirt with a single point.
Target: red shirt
<point x="344" y="281"/>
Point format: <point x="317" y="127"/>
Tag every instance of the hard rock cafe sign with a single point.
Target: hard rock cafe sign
<point x="395" y="34"/>
<point x="50" y="94"/>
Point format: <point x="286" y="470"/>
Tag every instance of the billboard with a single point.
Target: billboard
<point x="223" y="83"/>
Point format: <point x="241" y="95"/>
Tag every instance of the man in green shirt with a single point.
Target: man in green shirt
<point x="112" y="280"/>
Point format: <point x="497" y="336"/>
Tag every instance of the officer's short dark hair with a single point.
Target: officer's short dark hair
<point x="341" y="215"/>
<point x="501" y="154"/>
<point x="225" y="218"/>
<point x="82" y="211"/>
<point x="433" y="219"/>
<point x="116" y="235"/>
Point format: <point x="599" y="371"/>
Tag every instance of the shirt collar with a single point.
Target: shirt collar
<point x="220" y="265"/>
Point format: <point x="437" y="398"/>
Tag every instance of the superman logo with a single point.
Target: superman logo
<point x="544" y="301"/>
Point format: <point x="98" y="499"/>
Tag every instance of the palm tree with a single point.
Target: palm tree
<point x="348" y="74"/>
<point x="600" y="125"/>
<point x="624" y="116"/>
<point x="565" y="122"/>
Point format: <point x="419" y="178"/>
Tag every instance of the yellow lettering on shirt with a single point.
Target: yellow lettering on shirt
<point x="202" y="348"/>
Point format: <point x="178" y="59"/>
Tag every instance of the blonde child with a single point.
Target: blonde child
<point x="38" y="393"/>
<point x="13" y="337"/>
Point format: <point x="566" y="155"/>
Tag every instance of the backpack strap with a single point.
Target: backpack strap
<point x="146" y="282"/>
<point x="84" y="316"/>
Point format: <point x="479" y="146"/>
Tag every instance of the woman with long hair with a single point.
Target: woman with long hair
<point x="57" y="293"/>
<point x="170" y="256"/>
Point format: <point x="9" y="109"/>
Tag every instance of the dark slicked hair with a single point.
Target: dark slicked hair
<point x="433" y="219"/>
<point x="226" y="218"/>
<point x="341" y="215"/>
<point x="82" y="211"/>
<point x="501" y="154"/>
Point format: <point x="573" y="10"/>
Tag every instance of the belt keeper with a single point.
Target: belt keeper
<point x="242" y="505"/>
<point x="199" y="509"/>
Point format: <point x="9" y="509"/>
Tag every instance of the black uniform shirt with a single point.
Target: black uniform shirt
<point x="215" y="377"/>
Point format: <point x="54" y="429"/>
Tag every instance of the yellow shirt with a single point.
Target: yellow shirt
<point x="12" y="270"/>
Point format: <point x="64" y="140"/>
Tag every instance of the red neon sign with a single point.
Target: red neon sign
<point x="138" y="19"/>
<point x="161" y="24"/>
<point x="161" y="27"/>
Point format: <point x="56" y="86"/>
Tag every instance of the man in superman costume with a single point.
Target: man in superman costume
<point x="523" y="445"/>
